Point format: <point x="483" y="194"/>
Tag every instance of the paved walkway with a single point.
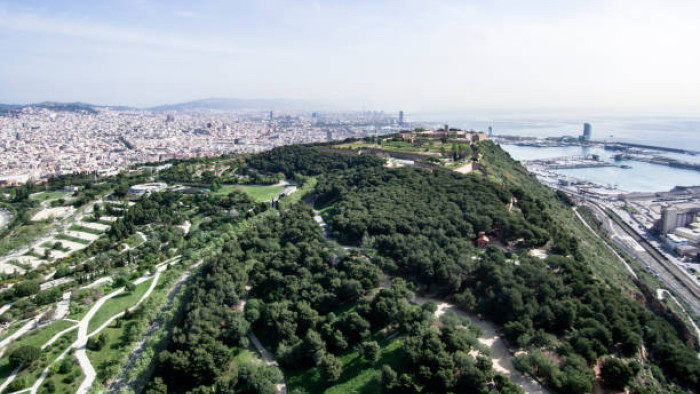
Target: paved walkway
<point x="80" y="343"/>
<point x="26" y="327"/>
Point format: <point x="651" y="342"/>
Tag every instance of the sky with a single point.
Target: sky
<point x="630" y="56"/>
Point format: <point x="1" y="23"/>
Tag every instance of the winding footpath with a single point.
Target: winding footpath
<point x="267" y="357"/>
<point x="81" y="342"/>
<point x="501" y="357"/>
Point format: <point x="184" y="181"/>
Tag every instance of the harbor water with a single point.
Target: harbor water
<point x="641" y="177"/>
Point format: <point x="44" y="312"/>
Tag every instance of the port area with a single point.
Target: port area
<point x="657" y="159"/>
<point x="621" y="152"/>
<point x="571" y="162"/>
<point x="644" y="225"/>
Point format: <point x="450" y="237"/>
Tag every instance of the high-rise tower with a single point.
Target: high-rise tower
<point x="586" y="131"/>
<point x="400" y="118"/>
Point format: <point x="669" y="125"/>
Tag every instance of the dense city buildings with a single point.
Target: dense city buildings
<point x="39" y="142"/>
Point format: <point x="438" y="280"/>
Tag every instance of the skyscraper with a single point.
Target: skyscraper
<point x="490" y="131"/>
<point x="586" y="131"/>
<point x="400" y="117"/>
<point x="271" y="116"/>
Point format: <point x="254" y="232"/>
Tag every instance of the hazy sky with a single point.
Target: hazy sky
<point x="422" y="55"/>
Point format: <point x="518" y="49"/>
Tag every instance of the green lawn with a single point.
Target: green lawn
<point x="134" y="240"/>
<point x="72" y="239"/>
<point x="118" y="345"/>
<point x="21" y="236"/>
<point x="259" y="193"/>
<point x="359" y="376"/>
<point x="114" y="349"/>
<point x="49" y="196"/>
<point x="49" y="245"/>
<point x="84" y="229"/>
<point x="28" y="375"/>
<point x="39" y="336"/>
<point x="90" y="219"/>
<point x="64" y="383"/>
<point x="117" y="304"/>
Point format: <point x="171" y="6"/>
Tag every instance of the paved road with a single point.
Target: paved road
<point x="5" y="217"/>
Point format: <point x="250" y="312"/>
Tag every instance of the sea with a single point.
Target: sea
<point x="671" y="132"/>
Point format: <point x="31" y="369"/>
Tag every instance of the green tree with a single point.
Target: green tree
<point x="370" y="351"/>
<point x="331" y="368"/>
<point x="616" y="373"/>
<point x="26" y="288"/>
<point x="24" y="355"/>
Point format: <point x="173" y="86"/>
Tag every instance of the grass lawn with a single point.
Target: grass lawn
<point x="84" y="229"/>
<point x="90" y="219"/>
<point x="64" y="383"/>
<point x="28" y="375"/>
<point x="72" y="239"/>
<point x="259" y="193"/>
<point x="49" y="196"/>
<point x="245" y="355"/>
<point x="39" y="336"/>
<point x="134" y="240"/>
<point x="21" y="236"/>
<point x="359" y="376"/>
<point x="114" y="348"/>
<point x="117" y="304"/>
<point x="49" y="245"/>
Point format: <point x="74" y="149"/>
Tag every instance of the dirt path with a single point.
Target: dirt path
<point x="267" y="357"/>
<point x="501" y="357"/>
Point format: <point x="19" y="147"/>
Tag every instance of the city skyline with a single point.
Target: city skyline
<point x="610" y="56"/>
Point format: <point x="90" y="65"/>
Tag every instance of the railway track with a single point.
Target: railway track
<point x="672" y="268"/>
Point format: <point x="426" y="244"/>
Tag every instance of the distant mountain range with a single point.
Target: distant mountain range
<point x="234" y="104"/>
<point x="57" y="106"/>
<point x="209" y="104"/>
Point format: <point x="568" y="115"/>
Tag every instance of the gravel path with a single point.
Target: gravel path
<point x="501" y="357"/>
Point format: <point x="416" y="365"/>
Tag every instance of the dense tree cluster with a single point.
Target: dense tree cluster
<point x="425" y="223"/>
<point x="440" y="211"/>
<point x="313" y="303"/>
<point x="308" y="160"/>
<point x="158" y="208"/>
<point x="199" y="354"/>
